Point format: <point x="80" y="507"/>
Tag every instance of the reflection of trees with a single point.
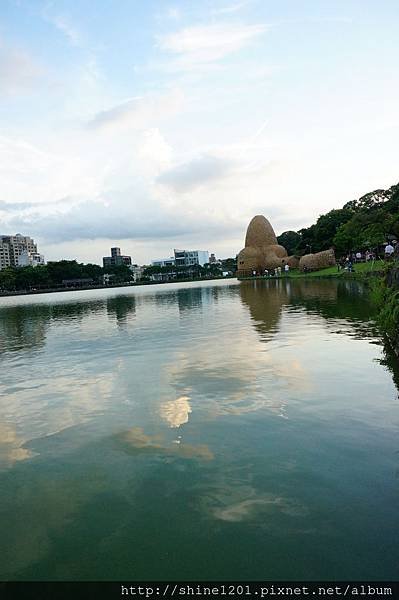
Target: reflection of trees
<point x="25" y="326"/>
<point x="161" y="299"/>
<point x="189" y="298"/>
<point x="390" y="361"/>
<point x="332" y="299"/>
<point x="121" y="307"/>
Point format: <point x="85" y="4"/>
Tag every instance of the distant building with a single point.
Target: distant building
<point x="183" y="258"/>
<point x="188" y="258"/>
<point x="164" y="262"/>
<point x="4" y="256"/>
<point x="116" y="259"/>
<point x="19" y="251"/>
<point x="137" y="272"/>
<point x="33" y="259"/>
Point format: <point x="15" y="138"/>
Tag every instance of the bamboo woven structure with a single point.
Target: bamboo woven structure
<point x="320" y="260"/>
<point x="262" y="250"/>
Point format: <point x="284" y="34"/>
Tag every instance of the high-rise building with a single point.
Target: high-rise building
<point x="21" y="251"/>
<point x="116" y="259"/>
<point x="4" y="256"/>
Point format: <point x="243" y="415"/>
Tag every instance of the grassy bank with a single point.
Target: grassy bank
<point x="359" y="270"/>
<point x="385" y="295"/>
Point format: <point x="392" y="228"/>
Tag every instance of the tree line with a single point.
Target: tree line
<point x="361" y="224"/>
<point x="54" y="274"/>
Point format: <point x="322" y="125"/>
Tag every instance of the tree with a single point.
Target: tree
<point x="327" y="225"/>
<point x="290" y="240"/>
<point x="94" y="272"/>
<point x="7" y="279"/>
<point x="64" y="269"/>
<point x="229" y="264"/>
<point x="121" y="273"/>
<point x="307" y="240"/>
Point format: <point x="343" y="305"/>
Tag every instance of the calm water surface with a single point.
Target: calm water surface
<point x="214" y="431"/>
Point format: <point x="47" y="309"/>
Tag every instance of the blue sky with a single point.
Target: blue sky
<point x="153" y="125"/>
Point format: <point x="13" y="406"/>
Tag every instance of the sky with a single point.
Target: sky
<point x="153" y="125"/>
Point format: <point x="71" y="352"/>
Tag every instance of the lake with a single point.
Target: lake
<point x="219" y="431"/>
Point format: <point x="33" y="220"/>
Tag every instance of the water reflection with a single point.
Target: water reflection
<point x="135" y="441"/>
<point x="189" y="299"/>
<point x="22" y="327"/>
<point x="265" y="300"/>
<point x="152" y="427"/>
<point x="121" y="308"/>
<point x="176" y="412"/>
<point x="332" y="299"/>
<point x="11" y="447"/>
<point x="26" y="326"/>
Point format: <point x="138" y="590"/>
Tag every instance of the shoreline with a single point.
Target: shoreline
<point x="362" y="275"/>
<point x="125" y="284"/>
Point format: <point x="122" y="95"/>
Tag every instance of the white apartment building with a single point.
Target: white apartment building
<point x="163" y="262"/>
<point x="183" y="258"/>
<point x="21" y="251"/>
<point x="188" y="258"/>
<point x="4" y="256"/>
<point x="33" y="259"/>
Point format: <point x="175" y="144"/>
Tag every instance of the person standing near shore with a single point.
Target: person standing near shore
<point x="287" y="269"/>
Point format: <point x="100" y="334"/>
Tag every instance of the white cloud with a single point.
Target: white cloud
<point x="154" y="153"/>
<point x="64" y="24"/>
<point x="198" y="172"/>
<point x="232" y="8"/>
<point x="140" y="112"/>
<point x="18" y="71"/>
<point x="132" y="214"/>
<point x="199" y="45"/>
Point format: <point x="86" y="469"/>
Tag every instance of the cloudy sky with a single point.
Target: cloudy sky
<point x="154" y="124"/>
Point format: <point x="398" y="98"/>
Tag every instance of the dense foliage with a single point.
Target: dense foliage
<point x="385" y="294"/>
<point x="364" y="223"/>
<point x="54" y="273"/>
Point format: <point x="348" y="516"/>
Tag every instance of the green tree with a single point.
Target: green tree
<point x="121" y="273"/>
<point x="7" y="279"/>
<point x="290" y="240"/>
<point x="64" y="269"/>
<point x="229" y="264"/>
<point x="327" y="225"/>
